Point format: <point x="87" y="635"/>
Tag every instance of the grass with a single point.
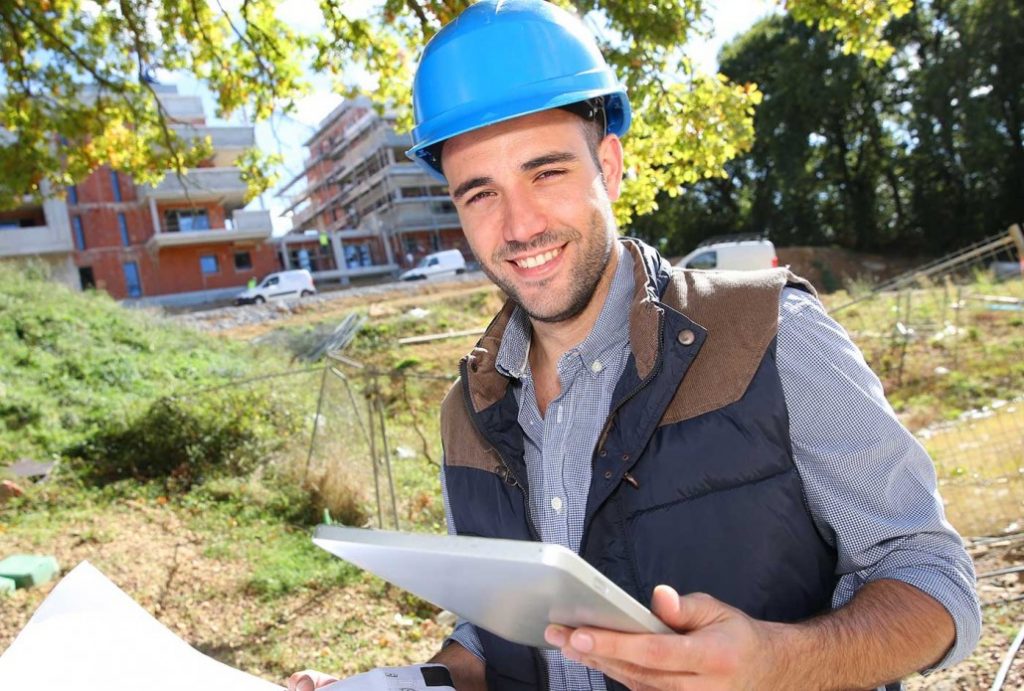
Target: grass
<point x="227" y="560"/>
<point x="73" y="362"/>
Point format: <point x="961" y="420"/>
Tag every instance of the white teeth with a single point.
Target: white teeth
<point x="538" y="260"/>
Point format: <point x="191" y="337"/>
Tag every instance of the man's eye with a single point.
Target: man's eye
<point x="477" y="197"/>
<point x="545" y="174"/>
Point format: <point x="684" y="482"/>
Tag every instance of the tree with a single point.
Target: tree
<point x="77" y="93"/>
<point x="921" y="153"/>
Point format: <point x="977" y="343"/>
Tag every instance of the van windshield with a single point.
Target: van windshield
<point x="425" y="262"/>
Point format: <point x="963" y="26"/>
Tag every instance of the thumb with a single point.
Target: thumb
<point x="687" y="612"/>
<point x="308" y="680"/>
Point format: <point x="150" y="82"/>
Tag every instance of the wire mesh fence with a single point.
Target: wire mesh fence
<point x="375" y="446"/>
<point x="947" y="340"/>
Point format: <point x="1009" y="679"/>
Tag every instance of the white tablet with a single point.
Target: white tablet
<point x="511" y="588"/>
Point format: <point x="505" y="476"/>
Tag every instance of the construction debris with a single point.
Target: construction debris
<point x="27" y="570"/>
<point x="412" y="340"/>
<point x="339" y="339"/>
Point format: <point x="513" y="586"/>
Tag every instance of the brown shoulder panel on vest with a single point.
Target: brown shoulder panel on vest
<point x="740" y="311"/>
<point x="644" y="314"/>
<point x="486" y="384"/>
<point x="463" y="444"/>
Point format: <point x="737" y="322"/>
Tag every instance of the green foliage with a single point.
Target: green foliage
<point x="859" y="24"/>
<point x="77" y="90"/>
<point x="77" y="367"/>
<point x="255" y="522"/>
<point x="185" y="440"/>
<point x="688" y="125"/>
<point x="921" y="154"/>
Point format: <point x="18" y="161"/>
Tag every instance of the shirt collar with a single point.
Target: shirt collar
<point x="610" y="331"/>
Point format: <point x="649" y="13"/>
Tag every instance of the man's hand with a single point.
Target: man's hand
<point x="719" y="647"/>
<point x="309" y="679"/>
<point x="889" y="630"/>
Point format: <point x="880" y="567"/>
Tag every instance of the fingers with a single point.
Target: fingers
<point x="633" y="676"/>
<point x="689" y="612"/>
<point x="674" y="653"/>
<point x="308" y="680"/>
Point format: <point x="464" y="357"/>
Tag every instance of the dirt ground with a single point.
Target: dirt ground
<point x="148" y="551"/>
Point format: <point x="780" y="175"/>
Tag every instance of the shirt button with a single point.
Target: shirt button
<point x="597" y="366"/>
<point x="556" y="504"/>
<point x="686" y="337"/>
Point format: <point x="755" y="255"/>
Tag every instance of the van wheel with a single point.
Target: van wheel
<point x="306" y="293"/>
<point x="258" y="300"/>
<point x="459" y="271"/>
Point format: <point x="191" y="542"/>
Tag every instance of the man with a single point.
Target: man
<point x="714" y="443"/>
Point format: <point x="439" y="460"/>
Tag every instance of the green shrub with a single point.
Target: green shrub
<point x="186" y="440"/>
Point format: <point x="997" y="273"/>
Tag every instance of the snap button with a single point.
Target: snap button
<point x="686" y="337"/>
<point x="607" y="475"/>
<point x="625" y="456"/>
<point x="603" y="453"/>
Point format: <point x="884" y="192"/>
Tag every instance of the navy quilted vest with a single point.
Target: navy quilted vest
<point x="705" y="498"/>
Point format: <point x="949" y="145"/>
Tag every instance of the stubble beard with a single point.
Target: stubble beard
<point x="587" y="272"/>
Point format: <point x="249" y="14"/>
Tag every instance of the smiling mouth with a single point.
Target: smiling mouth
<point x="537" y="259"/>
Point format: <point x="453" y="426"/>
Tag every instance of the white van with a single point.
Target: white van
<point x="444" y="263"/>
<point x="283" y="284"/>
<point x="741" y="255"/>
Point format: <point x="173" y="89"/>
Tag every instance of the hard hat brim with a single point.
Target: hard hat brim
<point x="473" y="117"/>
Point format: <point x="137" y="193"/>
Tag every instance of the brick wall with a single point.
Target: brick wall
<point x="179" y="269"/>
<point x="171" y="270"/>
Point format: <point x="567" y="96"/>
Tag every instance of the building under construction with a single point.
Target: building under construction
<point x="185" y="239"/>
<point x="366" y="209"/>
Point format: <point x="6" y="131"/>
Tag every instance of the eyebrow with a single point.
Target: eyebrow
<point x="461" y="190"/>
<point x="548" y="159"/>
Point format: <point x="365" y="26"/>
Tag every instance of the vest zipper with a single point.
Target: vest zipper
<point x="506" y="471"/>
<point x="639" y="387"/>
<point x="611" y="417"/>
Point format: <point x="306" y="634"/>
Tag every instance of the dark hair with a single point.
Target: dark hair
<point x="595" y="123"/>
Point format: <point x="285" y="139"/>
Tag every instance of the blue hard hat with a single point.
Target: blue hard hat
<point x="501" y="59"/>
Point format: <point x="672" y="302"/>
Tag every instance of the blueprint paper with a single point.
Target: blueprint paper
<point x="408" y="678"/>
<point x="88" y="635"/>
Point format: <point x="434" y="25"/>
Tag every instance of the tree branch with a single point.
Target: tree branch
<point x="418" y="11"/>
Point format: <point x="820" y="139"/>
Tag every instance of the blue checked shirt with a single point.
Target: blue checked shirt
<point x="870" y="486"/>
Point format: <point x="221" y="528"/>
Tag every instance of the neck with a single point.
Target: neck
<point x="551" y="340"/>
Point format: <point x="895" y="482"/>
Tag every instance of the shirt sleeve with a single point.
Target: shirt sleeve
<point x="870" y="486"/>
<point x="464" y="633"/>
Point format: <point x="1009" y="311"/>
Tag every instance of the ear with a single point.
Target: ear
<point x="610" y="154"/>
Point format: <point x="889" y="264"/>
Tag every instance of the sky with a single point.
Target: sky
<point x="286" y="135"/>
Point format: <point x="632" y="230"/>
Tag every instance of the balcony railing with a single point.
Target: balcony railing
<point x="15" y="242"/>
<point x="228" y="142"/>
<point x="220" y="137"/>
<point x="246" y="226"/>
<point x="220" y="184"/>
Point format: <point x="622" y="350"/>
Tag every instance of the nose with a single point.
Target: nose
<point x="524" y="218"/>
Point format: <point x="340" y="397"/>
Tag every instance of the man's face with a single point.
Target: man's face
<point x="536" y="208"/>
